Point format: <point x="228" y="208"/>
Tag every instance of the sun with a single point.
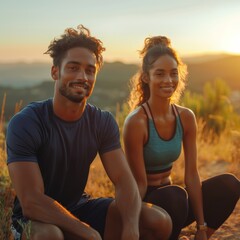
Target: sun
<point x="232" y="44"/>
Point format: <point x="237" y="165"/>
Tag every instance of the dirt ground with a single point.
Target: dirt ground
<point x="230" y="230"/>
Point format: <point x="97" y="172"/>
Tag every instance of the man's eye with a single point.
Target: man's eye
<point x="73" y="68"/>
<point x="90" y="71"/>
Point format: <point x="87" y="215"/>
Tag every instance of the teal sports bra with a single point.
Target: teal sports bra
<point x="159" y="154"/>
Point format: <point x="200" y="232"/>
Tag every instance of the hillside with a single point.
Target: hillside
<point x="226" y="68"/>
<point x="30" y="82"/>
<point x="20" y="74"/>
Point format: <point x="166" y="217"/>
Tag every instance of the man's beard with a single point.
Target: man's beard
<point x="76" y="98"/>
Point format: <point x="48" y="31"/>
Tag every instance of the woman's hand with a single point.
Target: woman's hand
<point x="201" y="235"/>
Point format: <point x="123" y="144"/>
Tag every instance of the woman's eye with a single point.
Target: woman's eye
<point x="175" y="74"/>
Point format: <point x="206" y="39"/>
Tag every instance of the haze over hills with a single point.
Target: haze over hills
<point x="226" y="67"/>
<point x="32" y="81"/>
<point x="201" y="69"/>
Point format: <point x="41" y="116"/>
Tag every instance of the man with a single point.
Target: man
<point x="50" y="146"/>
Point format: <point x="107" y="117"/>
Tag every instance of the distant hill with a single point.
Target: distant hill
<point x="32" y="81"/>
<point x="205" y="58"/>
<point x="22" y="74"/>
<point x="226" y="68"/>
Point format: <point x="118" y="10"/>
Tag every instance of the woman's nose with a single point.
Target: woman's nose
<point x="168" y="78"/>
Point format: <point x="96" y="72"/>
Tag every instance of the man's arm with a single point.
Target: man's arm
<point x="28" y="184"/>
<point x="128" y="199"/>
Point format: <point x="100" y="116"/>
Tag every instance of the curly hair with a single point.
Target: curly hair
<point x="154" y="47"/>
<point x="75" y="38"/>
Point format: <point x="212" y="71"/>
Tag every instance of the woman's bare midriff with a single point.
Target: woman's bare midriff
<point x="159" y="179"/>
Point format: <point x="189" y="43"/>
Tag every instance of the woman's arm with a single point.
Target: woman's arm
<point x="192" y="179"/>
<point x="134" y="134"/>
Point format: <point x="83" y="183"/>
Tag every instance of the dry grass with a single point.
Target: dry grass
<point x="214" y="156"/>
<point x="98" y="182"/>
<point x="6" y="193"/>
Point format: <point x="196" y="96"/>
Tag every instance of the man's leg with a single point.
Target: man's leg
<point x="155" y="223"/>
<point x="40" y="231"/>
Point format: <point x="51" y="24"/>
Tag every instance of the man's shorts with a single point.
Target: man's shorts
<point x="92" y="211"/>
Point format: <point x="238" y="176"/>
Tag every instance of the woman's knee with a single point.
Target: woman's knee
<point x="180" y="192"/>
<point x="169" y="197"/>
<point x="229" y="182"/>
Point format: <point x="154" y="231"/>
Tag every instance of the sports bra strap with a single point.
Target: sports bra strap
<point x="147" y="110"/>
<point x="175" y="110"/>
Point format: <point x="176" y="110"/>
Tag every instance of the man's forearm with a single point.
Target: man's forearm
<point x="44" y="209"/>
<point x="129" y="203"/>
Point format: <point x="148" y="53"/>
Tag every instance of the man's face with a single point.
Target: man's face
<point x="77" y="75"/>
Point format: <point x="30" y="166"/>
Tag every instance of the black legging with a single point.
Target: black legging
<point x="220" y="195"/>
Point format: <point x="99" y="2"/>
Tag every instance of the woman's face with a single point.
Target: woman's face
<point x="163" y="77"/>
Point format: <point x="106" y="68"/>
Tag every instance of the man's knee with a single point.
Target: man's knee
<point x="41" y="231"/>
<point x="155" y="221"/>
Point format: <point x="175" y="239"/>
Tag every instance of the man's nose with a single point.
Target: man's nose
<point x="82" y="75"/>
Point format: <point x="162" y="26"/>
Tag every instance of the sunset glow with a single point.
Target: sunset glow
<point x="194" y="27"/>
<point x="233" y="45"/>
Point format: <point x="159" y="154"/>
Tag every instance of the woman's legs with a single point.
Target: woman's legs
<point x="174" y="200"/>
<point x="220" y="195"/>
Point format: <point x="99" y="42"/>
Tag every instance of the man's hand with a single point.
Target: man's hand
<point x="94" y="235"/>
<point x="129" y="233"/>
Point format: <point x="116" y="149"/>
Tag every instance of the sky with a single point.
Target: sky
<point x="195" y="27"/>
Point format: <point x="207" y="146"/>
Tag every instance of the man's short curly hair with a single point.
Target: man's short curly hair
<point x="75" y="38"/>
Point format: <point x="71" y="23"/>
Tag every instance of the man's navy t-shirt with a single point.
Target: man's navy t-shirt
<point x="63" y="150"/>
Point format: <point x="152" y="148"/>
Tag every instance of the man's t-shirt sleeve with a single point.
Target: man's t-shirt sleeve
<point x="22" y="139"/>
<point x="109" y="134"/>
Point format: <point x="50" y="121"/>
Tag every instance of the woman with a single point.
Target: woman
<point x="153" y="136"/>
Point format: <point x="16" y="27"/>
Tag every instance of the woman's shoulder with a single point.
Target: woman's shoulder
<point x="187" y="118"/>
<point x="185" y="112"/>
<point x="136" y="118"/>
<point x="135" y="126"/>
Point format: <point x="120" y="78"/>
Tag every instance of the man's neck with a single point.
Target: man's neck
<point x="67" y="110"/>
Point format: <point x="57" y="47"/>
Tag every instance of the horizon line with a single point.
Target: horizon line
<point x="188" y="56"/>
